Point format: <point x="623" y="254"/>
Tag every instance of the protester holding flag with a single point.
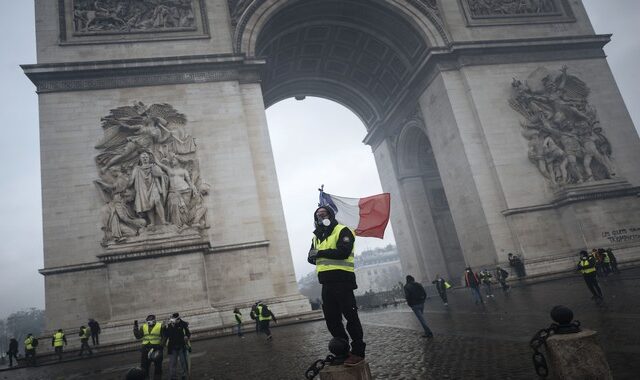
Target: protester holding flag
<point x="332" y="252"/>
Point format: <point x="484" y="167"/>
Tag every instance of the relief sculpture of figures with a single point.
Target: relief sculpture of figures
<point x="566" y="141"/>
<point x="95" y="16"/>
<point x="511" y="7"/>
<point x="149" y="175"/>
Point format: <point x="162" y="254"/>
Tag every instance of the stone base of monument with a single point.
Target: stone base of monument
<point x="341" y="372"/>
<point x="576" y="356"/>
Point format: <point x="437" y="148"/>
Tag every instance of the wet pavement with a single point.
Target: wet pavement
<point x="471" y="342"/>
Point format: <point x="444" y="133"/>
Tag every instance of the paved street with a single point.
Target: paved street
<point x="472" y="342"/>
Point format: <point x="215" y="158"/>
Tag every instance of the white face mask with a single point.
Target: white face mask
<point x="326" y="222"/>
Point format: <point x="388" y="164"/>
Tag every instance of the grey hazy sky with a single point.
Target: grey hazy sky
<point x="294" y="127"/>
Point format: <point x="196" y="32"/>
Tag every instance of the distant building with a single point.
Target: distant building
<point x="378" y="269"/>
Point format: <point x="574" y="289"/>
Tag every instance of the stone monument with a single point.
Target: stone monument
<point x="497" y="127"/>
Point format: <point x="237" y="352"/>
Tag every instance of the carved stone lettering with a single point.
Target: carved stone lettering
<point x="125" y="16"/>
<point x="484" y="8"/>
<point x="566" y="141"/>
<point x="149" y="175"/>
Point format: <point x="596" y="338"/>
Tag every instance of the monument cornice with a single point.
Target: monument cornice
<point x="459" y="54"/>
<point x="591" y="191"/>
<point x="72" y="268"/>
<point x="98" y="75"/>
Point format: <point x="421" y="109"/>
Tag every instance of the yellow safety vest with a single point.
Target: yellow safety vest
<point x="86" y="333"/>
<point x="58" y="339"/>
<point x="607" y="259"/>
<point x="238" y="317"/>
<point x="584" y="264"/>
<point x="331" y="242"/>
<point x="263" y="317"/>
<point x="154" y="337"/>
<point x="28" y="343"/>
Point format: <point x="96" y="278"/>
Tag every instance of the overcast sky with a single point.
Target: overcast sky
<point x="294" y="127"/>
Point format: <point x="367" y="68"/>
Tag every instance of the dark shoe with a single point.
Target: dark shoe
<point x="269" y="337"/>
<point x="428" y="336"/>
<point x="353" y="360"/>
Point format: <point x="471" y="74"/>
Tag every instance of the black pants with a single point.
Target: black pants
<point x="12" y="355"/>
<point x="58" y="351"/>
<point x="30" y="357"/>
<point x="145" y="363"/>
<point x="95" y="339"/>
<point x="337" y="301"/>
<point x="84" y="343"/>
<point x="443" y="295"/>
<point x="264" y="327"/>
<point x="592" y="283"/>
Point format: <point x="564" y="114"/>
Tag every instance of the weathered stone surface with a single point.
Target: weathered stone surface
<point x="576" y="357"/>
<point x="341" y="372"/>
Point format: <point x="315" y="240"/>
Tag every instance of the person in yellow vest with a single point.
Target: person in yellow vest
<point x="85" y="334"/>
<point x="58" y="341"/>
<point x="30" y="344"/>
<point x="265" y="316"/>
<point x="238" y="316"/>
<point x="153" y="335"/>
<point x="332" y="252"/>
<point x="587" y="266"/>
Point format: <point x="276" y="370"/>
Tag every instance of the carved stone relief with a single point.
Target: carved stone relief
<point x="99" y="16"/>
<point x="149" y="175"/>
<point x="566" y="141"/>
<point x="480" y="8"/>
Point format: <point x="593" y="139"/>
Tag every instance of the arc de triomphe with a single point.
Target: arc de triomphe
<point x="497" y="127"/>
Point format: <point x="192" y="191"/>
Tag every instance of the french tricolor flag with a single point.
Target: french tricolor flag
<point x="368" y="217"/>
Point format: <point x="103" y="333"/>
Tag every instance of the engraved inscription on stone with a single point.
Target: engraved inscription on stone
<point x="126" y="16"/>
<point x="149" y="175"/>
<point x="566" y="141"/>
<point x="484" y="8"/>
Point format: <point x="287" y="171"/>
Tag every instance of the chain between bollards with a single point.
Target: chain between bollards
<point x="317" y="366"/>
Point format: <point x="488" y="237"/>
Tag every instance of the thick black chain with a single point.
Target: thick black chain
<point x="539" y="340"/>
<point x="317" y="366"/>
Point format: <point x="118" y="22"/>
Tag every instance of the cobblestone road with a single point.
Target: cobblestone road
<point x="472" y="342"/>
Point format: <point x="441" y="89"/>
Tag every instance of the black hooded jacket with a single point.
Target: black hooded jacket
<point x="343" y="250"/>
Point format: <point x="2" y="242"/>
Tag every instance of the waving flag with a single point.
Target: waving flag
<point x="368" y="216"/>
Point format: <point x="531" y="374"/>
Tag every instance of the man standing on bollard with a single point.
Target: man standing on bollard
<point x="332" y="252"/>
<point x="415" y="295"/>
<point x="152" y="334"/>
<point x="58" y="341"/>
<point x="587" y="266"/>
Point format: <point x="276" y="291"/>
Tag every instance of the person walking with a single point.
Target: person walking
<point x="13" y="351"/>
<point x="238" y="317"/>
<point x="485" y="278"/>
<point x="587" y="266"/>
<point x="152" y="334"/>
<point x="95" y="331"/>
<point x="501" y="276"/>
<point x="58" y="341"/>
<point x="332" y="252"/>
<point x="177" y="335"/>
<point x="253" y="314"/>
<point x="613" y="260"/>
<point x="85" y="334"/>
<point x="606" y="261"/>
<point x="265" y="316"/>
<point x="30" y="344"/>
<point x="441" y="286"/>
<point x="415" y="295"/>
<point x="472" y="282"/>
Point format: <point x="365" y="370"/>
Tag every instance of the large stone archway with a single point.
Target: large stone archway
<point x="479" y="164"/>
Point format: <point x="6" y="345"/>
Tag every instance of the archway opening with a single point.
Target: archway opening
<point x="315" y="142"/>
<point x="360" y="53"/>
